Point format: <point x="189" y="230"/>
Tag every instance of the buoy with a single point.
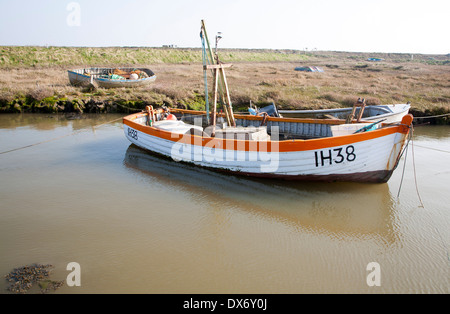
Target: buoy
<point x="134" y="76"/>
<point x="171" y="117"/>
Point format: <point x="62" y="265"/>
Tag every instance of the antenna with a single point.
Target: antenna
<point x="218" y="37"/>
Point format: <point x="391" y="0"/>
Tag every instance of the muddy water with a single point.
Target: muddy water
<point x="136" y="223"/>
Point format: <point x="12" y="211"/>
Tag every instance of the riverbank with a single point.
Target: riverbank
<point x="34" y="79"/>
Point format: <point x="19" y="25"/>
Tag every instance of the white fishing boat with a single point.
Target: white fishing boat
<point x="294" y="149"/>
<point x="265" y="146"/>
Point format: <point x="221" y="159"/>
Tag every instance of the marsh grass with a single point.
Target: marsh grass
<point x="39" y="75"/>
<point x="18" y="57"/>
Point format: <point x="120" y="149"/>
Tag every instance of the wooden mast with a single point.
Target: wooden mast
<point x="221" y="90"/>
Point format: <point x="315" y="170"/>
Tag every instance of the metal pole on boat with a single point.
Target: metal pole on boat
<point x="205" y="63"/>
<point x="211" y="60"/>
<point x="216" y="77"/>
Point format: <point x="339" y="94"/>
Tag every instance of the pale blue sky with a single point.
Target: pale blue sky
<point x="408" y="26"/>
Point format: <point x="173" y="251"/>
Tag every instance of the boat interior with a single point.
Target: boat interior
<point x="250" y="127"/>
<point x="107" y="72"/>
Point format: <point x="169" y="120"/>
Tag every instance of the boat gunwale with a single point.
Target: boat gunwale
<point x="260" y="118"/>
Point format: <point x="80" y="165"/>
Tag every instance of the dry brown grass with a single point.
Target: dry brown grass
<point x="426" y="86"/>
<point x="347" y="77"/>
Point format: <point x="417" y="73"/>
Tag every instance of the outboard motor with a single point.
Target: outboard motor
<point x="271" y="110"/>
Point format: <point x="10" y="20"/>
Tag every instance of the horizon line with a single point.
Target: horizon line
<point x="304" y="51"/>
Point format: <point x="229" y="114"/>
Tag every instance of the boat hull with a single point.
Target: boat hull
<point x="365" y="157"/>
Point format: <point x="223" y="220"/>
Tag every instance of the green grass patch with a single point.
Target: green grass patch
<point x="29" y="56"/>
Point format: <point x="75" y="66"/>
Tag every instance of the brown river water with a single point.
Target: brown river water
<point x="138" y="223"/>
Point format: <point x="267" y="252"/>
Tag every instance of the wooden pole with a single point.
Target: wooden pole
<point x="213" y="117"/>
<point x="360" y="103"/>
<point x="222" y="85"/>
<point x="232" y="122"/>
<point x="361" y="110"/>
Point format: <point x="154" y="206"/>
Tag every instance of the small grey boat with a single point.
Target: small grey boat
<point x="111" y="77"/>
<point x="392" y="113"/>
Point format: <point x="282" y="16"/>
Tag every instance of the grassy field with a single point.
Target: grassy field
<point x="34" y="79"/>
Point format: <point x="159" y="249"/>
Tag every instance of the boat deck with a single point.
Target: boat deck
<point x="255" y="128"/>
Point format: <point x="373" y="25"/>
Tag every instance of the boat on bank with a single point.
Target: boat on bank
<point x="392" y="113"/>
<point x="111" y="77"/>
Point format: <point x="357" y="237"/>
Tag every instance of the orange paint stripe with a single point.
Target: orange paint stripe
<point x="260" y="118"/>
<point x="278" y="146"/>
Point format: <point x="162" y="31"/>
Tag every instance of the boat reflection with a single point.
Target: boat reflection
<point x="342" y="210"/>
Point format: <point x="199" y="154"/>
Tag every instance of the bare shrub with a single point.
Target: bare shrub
<point x="373" y="101"/>
<point x="40" y="93"/>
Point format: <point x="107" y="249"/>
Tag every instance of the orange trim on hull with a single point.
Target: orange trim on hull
<point x="269" y="146"/>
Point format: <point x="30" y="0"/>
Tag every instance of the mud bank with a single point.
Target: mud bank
<point x="437" y="115"/>
<point x="70" y="106"/>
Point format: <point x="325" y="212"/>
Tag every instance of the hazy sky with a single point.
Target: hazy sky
<point x="408" y="26"/>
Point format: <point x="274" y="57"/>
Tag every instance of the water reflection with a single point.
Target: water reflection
<point x="343" y="210"/>
<point x="433" y="132"/>
<point x="44" y="122"/>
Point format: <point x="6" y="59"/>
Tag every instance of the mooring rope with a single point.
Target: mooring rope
<point x="129" y="108"/>
<point x="405" y="151"/>
<point x="437" y="116"/>
<point x="417" y="189"/>
<point x="57" y="138"/>
<point x="414" y="169"/>
<point x="436" y="149"/>
<point x="410" y="139"/>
